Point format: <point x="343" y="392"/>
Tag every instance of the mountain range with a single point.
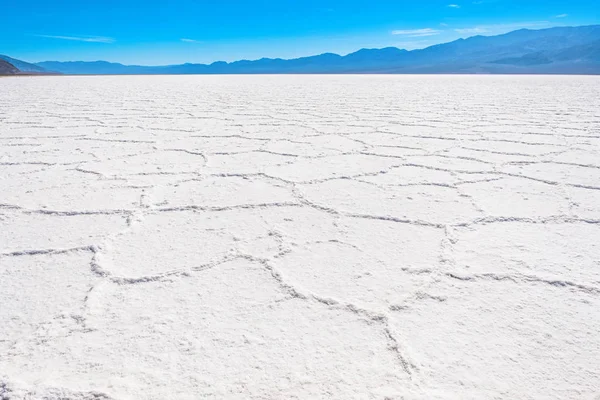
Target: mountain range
<point x="23" y="66"/>
<point x="7" y="68"/>
<point x="568" y="50"/>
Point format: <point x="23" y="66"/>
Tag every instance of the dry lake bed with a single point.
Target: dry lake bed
<point x="300" y="237"/>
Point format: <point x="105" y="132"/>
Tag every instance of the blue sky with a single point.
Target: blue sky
<point x="162" y="32"/>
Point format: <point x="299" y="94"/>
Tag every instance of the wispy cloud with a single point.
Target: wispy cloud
<point x="91" y="39"/>
<point x="479" y="29"/>
<point x="190" y="40"/>
<point x="475" y="30"/>
<point x="561" y="16"/>
<point x="417" y="32"/>
<point x="453" y="6"/>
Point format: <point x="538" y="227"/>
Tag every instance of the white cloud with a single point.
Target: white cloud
<point x="561" y="16"/>
<point x="190" y="40"/>
<point x="417" y="32"/>
<point x="501" y="28"/>
<point x="453" y="6"/>
<point x="475" y="30"/>
<point x="92" y="39"/>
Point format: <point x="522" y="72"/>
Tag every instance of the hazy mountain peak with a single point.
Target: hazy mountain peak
<point x="7" y="68"/>
<point x="22" y="65"/>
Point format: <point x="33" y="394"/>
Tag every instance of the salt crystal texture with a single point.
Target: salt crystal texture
<point x="300" y="237"/>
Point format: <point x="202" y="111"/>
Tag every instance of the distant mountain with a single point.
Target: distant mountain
<point x="94" y="67"/>
<point x="7" y="68"/>
<point x="22" y="65"/>
<point x="573" y="50"/>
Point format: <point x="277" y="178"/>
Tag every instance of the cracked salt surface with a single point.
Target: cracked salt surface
<point x="346" y="237"/>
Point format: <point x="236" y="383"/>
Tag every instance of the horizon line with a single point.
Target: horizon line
<point x="311" y="55"/>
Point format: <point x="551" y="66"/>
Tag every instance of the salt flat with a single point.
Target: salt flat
<point x="300" y="237"/>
